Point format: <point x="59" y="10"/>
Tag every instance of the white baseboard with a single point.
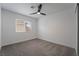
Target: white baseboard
<point x="18" y="41"/>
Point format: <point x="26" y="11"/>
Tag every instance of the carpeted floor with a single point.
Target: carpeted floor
<point x="36" y="47"/>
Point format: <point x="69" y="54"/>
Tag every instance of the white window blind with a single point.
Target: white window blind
<point x="23" y="26"/>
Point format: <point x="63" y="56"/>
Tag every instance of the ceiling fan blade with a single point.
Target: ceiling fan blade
<point x="43" y="13"/>
<point x="33" y="13"/>
<point x="39" y="7"/>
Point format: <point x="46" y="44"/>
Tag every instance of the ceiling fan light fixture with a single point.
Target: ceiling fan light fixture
<point x="38" y="12"/>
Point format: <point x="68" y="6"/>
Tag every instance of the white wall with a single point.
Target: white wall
<point x="9" y="34"/>
<point x="59" y="28"/>
<point x="0" y="26"/>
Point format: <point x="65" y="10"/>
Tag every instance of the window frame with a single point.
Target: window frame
<point x="24" y="23"/>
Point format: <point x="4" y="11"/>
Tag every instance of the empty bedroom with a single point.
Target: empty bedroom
<point x="38" y="29"/>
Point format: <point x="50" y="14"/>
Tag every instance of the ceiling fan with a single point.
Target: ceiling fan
<point x="38" y="11"/>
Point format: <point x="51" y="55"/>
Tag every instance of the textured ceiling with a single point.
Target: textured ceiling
<point x="48" y="8"/>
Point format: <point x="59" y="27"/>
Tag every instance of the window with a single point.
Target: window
<point x="23" y="26"/>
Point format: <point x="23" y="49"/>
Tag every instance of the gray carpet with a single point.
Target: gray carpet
<point x="36" y="47"/>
